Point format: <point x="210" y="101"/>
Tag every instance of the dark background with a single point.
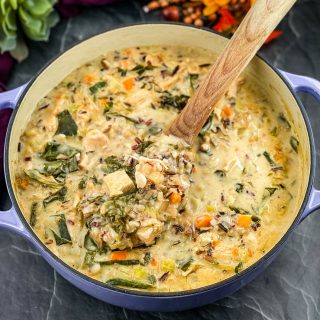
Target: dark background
<point x="288" y="289"/>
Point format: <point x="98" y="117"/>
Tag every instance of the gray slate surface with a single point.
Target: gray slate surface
<point x="290" y="287"/>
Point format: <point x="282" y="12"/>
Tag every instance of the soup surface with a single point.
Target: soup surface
<point x="113" y="197"/>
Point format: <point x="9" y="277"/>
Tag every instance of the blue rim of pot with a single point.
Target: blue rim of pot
<point x="175" y="294"/>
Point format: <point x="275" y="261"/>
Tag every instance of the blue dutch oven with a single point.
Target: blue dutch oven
<point x="280" y="86"/>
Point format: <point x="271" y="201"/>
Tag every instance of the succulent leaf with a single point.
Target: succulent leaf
<point x="34" y="18"/>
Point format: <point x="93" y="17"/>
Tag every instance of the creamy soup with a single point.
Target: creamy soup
<point x="115" y="198"/>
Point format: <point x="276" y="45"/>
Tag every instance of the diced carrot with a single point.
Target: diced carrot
<point x="244" y="220"/>
<point x="250" y="252"/>
<point x="154" y="262"/>
<point x="22" y="183"/>
<point x="89" y="79"/>
<point x="119" y="255"/>
<point x="235" y="251"/>
<point x="175" y="198"/>
<point x="227" y="112"/>
<point x="124" y="64"/>
<point x="203" y="221"/>
<point x="128" y="83"/>
<point x="215" y="243"/>
<point x="128" y="51"/>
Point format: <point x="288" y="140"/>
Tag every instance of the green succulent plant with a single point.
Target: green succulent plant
<point x="34" y="18"/>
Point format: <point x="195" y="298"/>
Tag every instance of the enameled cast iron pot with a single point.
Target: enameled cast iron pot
<point x="279" y="86"/>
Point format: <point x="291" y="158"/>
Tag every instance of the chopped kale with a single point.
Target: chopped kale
<point x="238" y="210"/>
<point x="193" y="80"/>
<point x="99" y="85"/>
<point x="131" y="262"/>
<point x="129" y="283"/>
<point x="271" y="191"/>
<point x="207" y="126"/>
<point x="294" y="144"/>
<point x="239" y="187"/>
<point x="64" y="236"/>
<point x="140" y="69"/>
<point x="112" y="164"/>
<point x="147" y="258"/>
<point x="220" y="173"/>
<point x="154" y="130"/>
<point x="123" y="72"/>
<point x="185" y="263"/>
<point x="42" y="179"/>
<point x="33" y="214"/>
<point x="274" y="166"/>
<point x="108" y="107"/>
<point x="239" y="267"/>
<point x="55" y="151"/>
<point x="60" y="195"/>
<point x="119" y="115"/>
<point x="143" y="146"/>
<point x="66" y="124"/>
<point x="83" y="182"/>
<point x="284" y="121"/>
<point x="168" y="100"/>
<point x="89" y="244"/>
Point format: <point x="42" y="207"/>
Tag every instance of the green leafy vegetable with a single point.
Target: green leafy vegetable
<point x="294" y="144"/>
<point x="66" y="124"/>
<point x="239" y="187"/>
<point x="140" y="69"/>
<point x="83" y="182"/>
<point x="55" y="151"/>
<point x="114" y="210"/>
<point x="154" y="130"/>
<point x="64" y="235"/>
<point x="119" y="115"/>
<point x="284" y="121"/>
<point x="239" y="267"/>
<point x="89" y="244"/>
<point x="37" y="176"/>
<point x="62" y="160"/>
<point x="143" y="146"/>
<point x="238" y="210"/>
<point x="220" y="173"/>
<point x="129" y="283"/>
<point x="121" y="262"/>
<point x="147" y="258"/>
<point x="60" y="195"/>
<point x="108" y="107"/>
<point x="185" y="263"/>
<point x="123" y="72"/>
<point x="33" y="214"/>
<point x="271" y="191"/>
<point x="272" y="163"/>
<point x="112" y="164"/>
<point x="193" y="80"/>
<point x="168" y="100"/>
<point x="94" y="89"/>
<point x="207" y="126"/>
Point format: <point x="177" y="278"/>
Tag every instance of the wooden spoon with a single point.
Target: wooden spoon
<point x="257" y="25"/>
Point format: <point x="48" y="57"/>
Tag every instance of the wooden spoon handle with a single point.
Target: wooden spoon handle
<point x="257" y="25"/>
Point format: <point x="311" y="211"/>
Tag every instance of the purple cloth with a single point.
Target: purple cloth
<point x="69" y="8"/>
<point x="6" y="64"/>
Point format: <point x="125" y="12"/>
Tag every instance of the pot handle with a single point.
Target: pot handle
<point x="10" y="220"/>
<point x="312" y="86"/>
<point x="9" y="99"/>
